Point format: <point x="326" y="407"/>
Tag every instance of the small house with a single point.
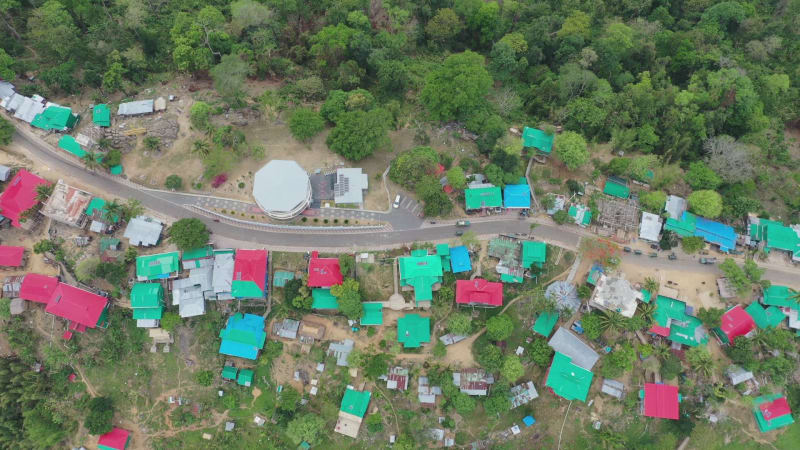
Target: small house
<point x="20" y="196"/>
<point x="459" y="259"/>
<point x="190" y="293"/>
<point x="738" y="375"/>
<point x="522" y="394"/>
<point x="650" y="227"/>
<point x="55" y="118"/>
<point x="413" y="330"/>
<point x="351" y="413"/>
<point x="287" y="328"/>
<point x="350" y="186"/>
<point x="474" y="381"/>
<point x="615" y="294"/>
<point x="136" y="108"/>
<point x="372" y="313"/>
<point x="735" y="322"/>
<point x="772" y="412"/>
<point x="579" y="353"/>
<point x="83" y="309"/>
<point x="38" y="288"/>
<point x="310" y="332"/>
<point x="567" y="379"/>
<point x="660" y="401"/>
<point x="613" y="388"/>
<point x="581" y="215"/>
<point x="12" y="256"/>
<point x="479" y="292"/>
<point x="323" y="300"/>
<point x="323" y="272"/>
<point x="147" y="301"/>
<point x="101" y="115"/>
<point x="67" y="205"/>
<point x="421" y="273"/>
<point x="250" y="274"/>
<point x="483" y="198"/>
<point x="160" y="266"/>
<point x="143" y="231"/>
<point x="116" y="439"/>
<point x="427" y="393"/>
<point x="245" y="377"/>
<point x="397" y="379"/>
<point x="517" y="196"/>
<point x="341" y="351"/>
<point x="243" y="336"/>
<point x="538" y="139"/>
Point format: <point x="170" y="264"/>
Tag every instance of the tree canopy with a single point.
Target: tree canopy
<point x="457" y="87"/>
<point x="188" y="234"/>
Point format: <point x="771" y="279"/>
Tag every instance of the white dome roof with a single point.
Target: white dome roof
<point x="282" y="187"/>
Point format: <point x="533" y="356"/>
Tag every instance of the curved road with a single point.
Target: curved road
<point x="405" y="230"/>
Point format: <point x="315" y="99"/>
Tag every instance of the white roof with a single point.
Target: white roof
<point x="567" y="343"/>
<point x="675" y="207"/>
<point x="143" y="231"/>
<point x="134" y="108"/>
<point x="5" y="172"/>
<point x="6" y="89"/>
<point x="350" y="186"/>
<point x="281" y="186"/>
<point x="223" y="274"/>
<point x="615" y="294"/>
<point x="146" y="323"/>
<point x="28" y="108"/>
<point x="190" y="293"/>
<point x="738" y="375"/>
<point x="650" y="227"/>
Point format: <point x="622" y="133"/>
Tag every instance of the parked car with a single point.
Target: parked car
<point x="673" y="256"/>
<point x="637" y="252"/>
<point x="396" y="203"/>
<point x="627" y="249"/>
<point x="653" y="255"/>
<point x="655" y="247"/>
<point x="462" y="223"/>
<point x="708" y="260"/>
<point x="459" y="233"/>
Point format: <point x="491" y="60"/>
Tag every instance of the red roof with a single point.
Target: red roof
<point x="439" y="169"/>
<point x="116" y="438"/>
<point x="659" y="330"/>
<point x="776" y="408"/>
<point x="661" y="400"/>
<point x="323" y="272"/>
<point x="736" y="322"/>
<point x="448" y="189"/>
<point x="20" y="195"/>
<point x="479" y="292"/>
<point x="11" y="256"/>
<point x="82" y="308"/>
<point x="251" y="265"/>
<point x="37" y="288"/>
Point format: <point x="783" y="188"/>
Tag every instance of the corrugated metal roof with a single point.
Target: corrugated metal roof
<point x="134" y="108"/>
<point x="143" y="231"/>
<point x="350" y="186"/>
<point x="563" y="341"/>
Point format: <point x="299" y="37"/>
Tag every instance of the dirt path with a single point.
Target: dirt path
<point x="92" y="391"/>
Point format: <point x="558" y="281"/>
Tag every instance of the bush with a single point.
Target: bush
<point x="561" y="217"/>
<point x="204" y="377"/>
<point x="692" y="244"/>
<point x="305" y="123"/>
<point x="219" y="180"/>
<point x="174" y="182"/>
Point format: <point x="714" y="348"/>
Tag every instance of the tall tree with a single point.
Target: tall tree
<point x="358" y="134"/>
<point x="706" y="203"/>
<point x="188" y="234"/>
<point x="52" y="31"/>
<point x="229" y="76"/>
<point x="456" y="88"/>
<point x="571" y="149"/>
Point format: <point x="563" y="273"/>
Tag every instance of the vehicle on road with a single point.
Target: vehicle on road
<point x="708" y="260"/>
<point x="655" y="247"/>
<point x="577" y="327"/>
<point x="637" y="252"/>
<point x="673" y="256"/>
<point x="459" y="233"/>
<point x="627" y="249"/>
<point x="653" y="255"/>
<point x="396" y="203"/>
<point x="462" y="223"/>
<point x="433" y="222"/>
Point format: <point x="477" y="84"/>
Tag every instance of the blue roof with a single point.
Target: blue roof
<point x="716" y="233"/>
<point x="243" y="336"/>
<point x="517" y="196"/>
<point x="459" y="259"/>
<point x="528" y="421"/>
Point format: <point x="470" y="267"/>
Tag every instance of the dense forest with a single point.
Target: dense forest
<point x="703" y="85"/>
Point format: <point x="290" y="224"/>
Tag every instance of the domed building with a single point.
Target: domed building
<point x="282" y="189"/>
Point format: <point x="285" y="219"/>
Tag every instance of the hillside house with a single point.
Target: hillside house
<point x="579" y="353"/>
<point x="190" y="293"/>
<point x="372" y="315"/>
<point x="479" y="292"/>
<point x="735" y="322"/>
<point x="116" y="439"/>
<point x="20" y="196"/>
<point x="323" y="272"/>
<point x="615" y="294"/>
<point x="143" y="231"/>
<point x="83" y="309"/>
<point x="55" y="118"/>
<point x="771" y="235"/>
<point x="772" y="412"/>
<point x="522" y="394"/>
<point x="12" y="256"/>
<point x="147" y="301"/>
<point x="160" y="266"/>
<point x="660" y="401"/>
<point x="538" y="139"/>
<point x="427" y="393"/>
<point x="673" y="320"/>
<point x="421" y="273"/>
<point x="243" y="336"/>
<point x="38" y="288"/>
<point x="351" y="413"/>
<point x="413" y="330"/>
<point x="567" y="379"/>
<point x="341" y="351"/>
<point x="67" y="205"/>
<point x="250" y="274"/>
<point x="712" y="232"/>
<point x="473" y="381"/>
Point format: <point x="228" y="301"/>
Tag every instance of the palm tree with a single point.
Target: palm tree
<point x="113" y="210"/>
<point x="611" y="320"/>
<point x="651" y="285"/>
<point x="609" y="439"/>
<point x="661" y="351"/>
<point x="151" y="143"/>
<point x="43" y="192"/>
<point x="201" y="147"/>
<point x="646" y="310"/>
<point x="91" y="161"/>
<point x="132" y="208"/>
<point x="795" y="296"/>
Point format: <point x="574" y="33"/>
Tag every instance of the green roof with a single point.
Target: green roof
<point x="568" y="380"/>
<point x="55" y="118"/>
<point x="101" y="115"/>
<point x="116" y="170"/>
<point x="617" y="188"/>
<point x="198" y="253"/>
<point x="765" y="318"/>
<point x="69" y="144"/>
<point x="355" y="402"/>
<point x="507" y="278"/>
<point x="683" y="228"/>
<point x="685" y="329"/>
<point x="245" y="377"/>
<point x="323" y="299"/>
<point x="587" y="214"/>
<point x="148" y="313"/>
<point x="147" y="295"/>
<point x="229" y="372"/>
<point x="98" y="205"/>
<point x="533" y="253"/>
<point x="413" y="330"/>
<point x="107" y="243"/>
<point x="536" y="138"/>
<point x="153" y="267"/>
<point x="545" y="323"/>
<point x="421" y="273"/>
<point x="485" y="197"/>
<point x="594" y="275"/>
<point x="776" y="295"/>
<point x="280" y="278"/>
<point x="768" y="425"/>
<point x="443" y="251"/>
<point x="646" y="296"/>
<point x="373" y="313"/>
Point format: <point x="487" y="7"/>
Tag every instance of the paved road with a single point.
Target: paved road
<point x="406" y="229"/>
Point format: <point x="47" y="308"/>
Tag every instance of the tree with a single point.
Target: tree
<point x="459" y="324"/>
<point x="571" y="149"/>
<point x="305" y="123"/>
<point x="444" y="26"/>
<point x="700" y="360"/>
<point x="456" y="178"/>
<point x="700" y="176"/>
<point x="499" y="327"/>
<point x="377" y="365"/>
<point x="349" y="298"/>
<point x="728" y="158"/>
<point x="498" y="402"/>
<point x="201" y="147"/>
<point x="705" y="203"/>
<point x="488" y="355"/>
<point x="464" y="404"/>
<point x="592" y="326"/>
<point x="539" y="352"/>
<point x="457" y="88"/>
<point x="736" y="277"/>
<point x="653" y="201"/>
<point x="52" y="31"/>
<point x="410" y="166"/>
<point x="346" y="264"/>
<point x="374" y="423"/>
<point x="6" y="131"/>
<point x="669" y="239"/>
<point x="6" y="64"/>
<point x="358" y="134"/>
<point x="692" y="244"/>
<point x="651" y="284"/>
<point x="91" y="161"/>
<point x="393" y="77"/>
<point x="170" y="321"/>
<point x="671" y="367"/>
<point x="204" y="377"/>
<point x="173" y="182"/>
<point x="113" y="78"/>
<point x="188" y="234"/>
<point x="132" y="208"/>
<point x="561" y="217"/>
<point x="101" y="412"/>
<point x="437" y="203"/>
<point x="289" y="399"/>
<point x="512" y="368"/>
<point x="618" y="361"/>
<point x="229" y="76"/>
<point x="711" y="317"/>
<point x="752" y="271"/>
<point x="200" y="116"/>
<point x="439" y="350"/>
<point x="247" y="14"/>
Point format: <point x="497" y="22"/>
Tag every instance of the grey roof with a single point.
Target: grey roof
<point x="522" y="394"/>
<point x="738" y="375"/>
<point x="6" y="89"/>
<point x="341" y="350"/>
<point x="615" y="294"/>
<point x="143" y="231"/>
<point x="281" y="186"/>
<point x="134" y="108"/>
<point x="450" y="338"/>
<point x="427" y="393"/>
<point x="613" y="388"/>
<point x="286" y="328"/>
<point x="350" y="186"/>
<point x="190" y="293"/>
<point x="97" y="226"/>
<point x="5" y="172"/>
<point x="17" y="306"/>
<point x="26" y="109"/>
<point x="650" y="227"/>
<point x="147" y="323"/>
<point x="563" y="341"/>
<point x="564" y="294"/>
<point x="222" y="277"/>
<point x="675" y="206"/>
<point x="559" y="201"/>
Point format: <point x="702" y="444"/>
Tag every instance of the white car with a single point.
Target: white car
<point x="396" y="201"/>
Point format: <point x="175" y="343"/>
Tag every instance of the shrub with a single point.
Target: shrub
<point x="219" y="180"/>
<point x="173" y="182"/>
<point x="305" y="123"/>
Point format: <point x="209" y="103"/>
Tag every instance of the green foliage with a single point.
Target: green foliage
<point x="437" y="203"/>
<point x="457" y="87"/>
<point x="512" y="368"/>
<point x="592" y="325"/>
<point x="6" y="131"/>
<point x="561" y="217"/>
<point x="752" y="271"/>
<point x="346" y="264"/>
<point x="464" y="404"/>
<point x="499" y="327"/>
<point x="289" y="399"/>
<point x="52" y="31"/>
<point x="700" y="360"/>
<point x="488" y="355"/>
<point x="456" y="178"/>
<point x="498" y="401"/>
<point x="6" y="66"/>
<point x="692" y="244"/>
<point x="188" y="234"/>
<point x="412" y="165"/>
<point x="358" y="134"/>
<point x="671" y="367"/>
<point x="444" y="26"/>
<point x="173" y="182"/>
<point x="439" y="350"/>
<point x="570" y="148"/>
<point x="711" y="317"/>
<point x="200" y="116"/>
<point x="539" y="352"/>
<point x="736" y="276"/>
<point x="100" y="414"/>
<point x="653" y="201"/>
<point x="459" y="324"/>
<point x="742" y="353"/>
<point x="306" y="427"/>
<point x="170" y="321"/>
<point x="204" y="377"/>
<point x="619" y="361"/>
<point x="705" y="203"/>
<point x="377" y="365"/>
<point x="349" y="298"/>
<point x="700" y="176"/>
<point x="305" y="123"/>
